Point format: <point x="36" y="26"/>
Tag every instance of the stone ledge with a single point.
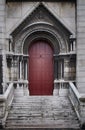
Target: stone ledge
<point x="6" y="94"/>
<point x="82" y="98"/>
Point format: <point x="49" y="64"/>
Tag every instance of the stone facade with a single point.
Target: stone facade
<point x="61" y="23"/>
<point x="2" y="39"/>
<point x="36" y="16"/>
<point x="80" y="46"/>
<point x="2" y="24"/>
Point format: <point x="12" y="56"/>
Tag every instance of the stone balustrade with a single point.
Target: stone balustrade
<point x="5" y="103"/>
<point x="78" y="102"/>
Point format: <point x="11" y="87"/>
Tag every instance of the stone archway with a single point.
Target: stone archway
<point x="38" y="31"/>
<point x="41" y="30"/>
<point x="34" y="28"/>
<point x="55" y="43"/>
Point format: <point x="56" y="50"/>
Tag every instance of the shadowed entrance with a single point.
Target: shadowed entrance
<point x="41" y="68"/>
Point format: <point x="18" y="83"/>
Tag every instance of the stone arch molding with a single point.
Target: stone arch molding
<point x="38" y="26"/>
<point x="40" y="31"/>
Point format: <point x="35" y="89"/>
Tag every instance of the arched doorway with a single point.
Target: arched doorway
<point x="41" y="68"/>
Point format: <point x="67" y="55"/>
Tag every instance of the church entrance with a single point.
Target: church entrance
<point x="41" y="68"/>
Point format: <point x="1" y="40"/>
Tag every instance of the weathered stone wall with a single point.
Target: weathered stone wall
<point x="2" y="36"/>
<point x="2" y="23"/>
<point x="13" y="13"/>
<point x="81" y="45"/>
<point x="17" y="11"/>
<point x="1" y="76"/>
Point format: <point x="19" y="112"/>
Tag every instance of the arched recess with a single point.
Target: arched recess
<point x="41" y="24"/>
<point x="44" y="36"/>
<point x="41" y="30"/>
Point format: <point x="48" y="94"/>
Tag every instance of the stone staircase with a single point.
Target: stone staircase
<point x="40" y="112"/>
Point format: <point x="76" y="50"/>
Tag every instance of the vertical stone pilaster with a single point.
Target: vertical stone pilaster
<point x="26" y="70"/>
<point x="1" y="76"/>
<point x="15" y="67"/>
<point x="80" y="73"/>
<point x="2" y="23"/>
<point x="4" y="70"/>
<point x="60" y="69"/>
<point x="12" y="70"/>
<point x="2" y="38"/>
<point x="20" y="70"/>
<point x="66" y="69"/>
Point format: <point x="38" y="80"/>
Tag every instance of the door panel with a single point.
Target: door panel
<point x="41" y="65"/>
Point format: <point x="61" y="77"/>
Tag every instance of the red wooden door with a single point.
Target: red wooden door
<point x="41" y="73"/>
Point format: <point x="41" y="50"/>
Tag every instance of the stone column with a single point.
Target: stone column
<point x="74" y="45"/>
<point x="61" y="69"/>
<point x="66" y="69"/>
<point x="58" y="69"/>
<point x="55" y="68"/>
<point x="71" y="46"/>
<point x="80" y="72"/>
<point x="21" y="67"/>
<point x="20" y="70"/>
<point x="12" y="69"/>
<point x="15" y="69"/>
<point x="26" y="70"/>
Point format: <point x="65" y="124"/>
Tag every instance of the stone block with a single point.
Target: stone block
<point x="81" y="61"/>
<point x="2" y="13"/>
<point x="1" y="36"/>
<point x="81" y="19"/>
<point x="2" y="7"/>
<point x="81" y="57"/>
<point x="27" y="6"/>
<point x="14" y="9"/>
<point x="80" y="68"/>
<point x="2" y="109"/>
<point x="81" y="79"/>
<point x="67" y="9"/>
<point x="81" y="87"/>
<point x="10" y="24"/>
<point x="2" y="19"/>
<point x="81" y="2"/>
<point x="80" y="73"/>
<point x="2" y="2"/>
<point x="80" y="23"/>
<point x="2" y="24"/>
<point x="81" y="35"/>
<point x="80" y="41"/>
<point x="80" y="52"/>
<point x="81" y="7"/>
<point x="81" y="13"/>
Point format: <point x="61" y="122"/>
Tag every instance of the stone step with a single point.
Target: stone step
<point x="26" y="128"/>
<point x="47" y="112"/>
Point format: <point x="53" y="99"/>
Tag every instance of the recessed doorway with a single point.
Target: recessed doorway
<point x="41" y="68"/>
